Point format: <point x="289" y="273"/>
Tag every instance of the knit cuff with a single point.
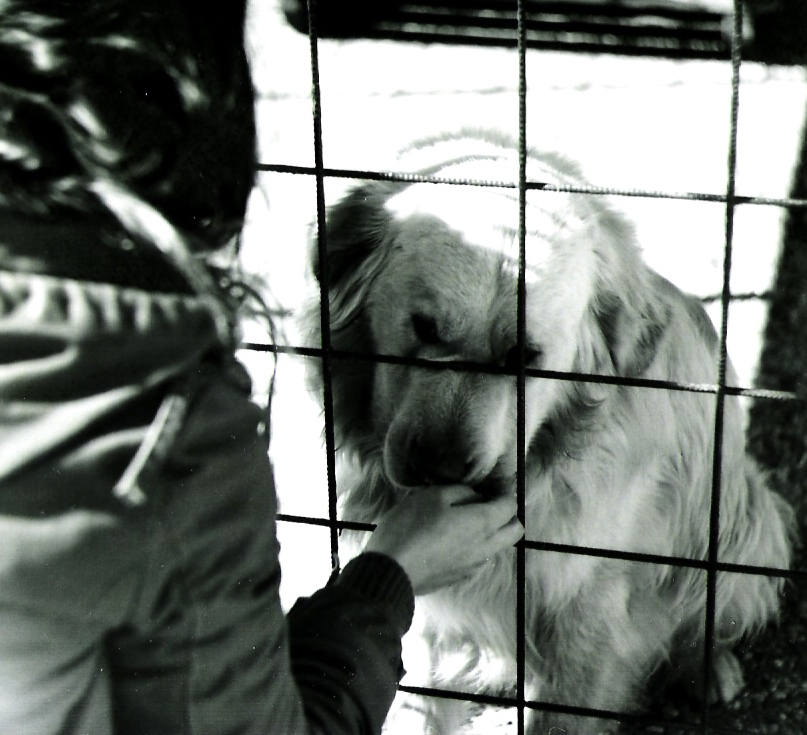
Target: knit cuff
<point x="379" y="578"/>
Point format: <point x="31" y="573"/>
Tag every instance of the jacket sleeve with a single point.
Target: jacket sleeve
<point x="345" y="644"/>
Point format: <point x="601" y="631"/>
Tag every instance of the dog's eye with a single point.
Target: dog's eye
<point x="531" y="356"/>
<point x="425" y="329"/>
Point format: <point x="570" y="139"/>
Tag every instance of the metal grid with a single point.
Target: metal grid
<point x="720" y="390"/>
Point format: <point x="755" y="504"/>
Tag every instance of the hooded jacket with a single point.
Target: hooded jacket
<point x="139" y="566"/>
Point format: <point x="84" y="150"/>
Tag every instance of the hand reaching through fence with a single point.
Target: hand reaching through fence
<point x="443" y="535"/>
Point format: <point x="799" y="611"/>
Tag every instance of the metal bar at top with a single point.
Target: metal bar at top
<point x="360" y="174"/>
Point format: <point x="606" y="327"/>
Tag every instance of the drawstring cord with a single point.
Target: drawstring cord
<point x="143" y="221"/>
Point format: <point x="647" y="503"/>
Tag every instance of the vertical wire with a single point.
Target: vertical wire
<point x="324" y="290"/>
<point x="720" y="398"/>
<point x="520" y="377"/>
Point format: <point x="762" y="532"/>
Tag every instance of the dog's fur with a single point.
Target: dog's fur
<point x="430" y="270"/>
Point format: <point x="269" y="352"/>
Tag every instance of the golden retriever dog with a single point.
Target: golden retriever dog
<point x="430" y="271"/>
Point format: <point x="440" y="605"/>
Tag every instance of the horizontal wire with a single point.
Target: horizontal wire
<point x="632" y="556"/>
<point x="326" y="522"/>
<point x="506" y="701"/>
<point x="740" y="296"/>
<point x="476" y="367"/>
<point x="674" y="561"/>
<point x="345" y="173"/>
<point x="493" y="699"/>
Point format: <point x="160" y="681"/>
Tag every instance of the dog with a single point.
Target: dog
<point x="428" y="270"/>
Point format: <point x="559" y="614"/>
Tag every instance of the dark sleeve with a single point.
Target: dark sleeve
<point x="345" y="645"/>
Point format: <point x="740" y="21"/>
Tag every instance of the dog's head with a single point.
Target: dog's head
<point x="431" y="271"/>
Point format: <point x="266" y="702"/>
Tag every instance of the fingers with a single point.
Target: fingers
<point x="513" y="531"/>
<point x="465" y="495"/>
<point x="500" y="511"/>
<point x="502" y="507"/>
<point x="502" y="539"/>
<point x="442" y="535"/>
<point x="456" y="494"/>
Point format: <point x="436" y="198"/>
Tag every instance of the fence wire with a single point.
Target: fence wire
<point x="712" y="565"/>
<point x="717" y="459"/>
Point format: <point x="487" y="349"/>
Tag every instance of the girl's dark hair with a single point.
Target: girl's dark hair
<point x="151" y="97"/>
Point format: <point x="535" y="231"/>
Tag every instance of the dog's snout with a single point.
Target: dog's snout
<point x="434" y="463"/>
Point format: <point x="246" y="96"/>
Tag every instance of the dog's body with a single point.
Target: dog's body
<point x="431" y="271"/>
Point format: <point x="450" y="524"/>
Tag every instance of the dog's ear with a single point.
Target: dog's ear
<point x="355" y="229"/>
<point x="631" y="306"/>
<point x="357" y="238"/>
<point x="631" y="329"/>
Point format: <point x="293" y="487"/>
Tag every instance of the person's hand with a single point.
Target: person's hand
<point x="441" y="535"/>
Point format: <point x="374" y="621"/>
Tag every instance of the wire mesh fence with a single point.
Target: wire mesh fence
<point x="718" y="390"/>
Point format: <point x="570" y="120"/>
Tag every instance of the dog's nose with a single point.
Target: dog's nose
<point x="433" y="463"/>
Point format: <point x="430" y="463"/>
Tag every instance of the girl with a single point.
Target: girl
<point x="138" y="559"/>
